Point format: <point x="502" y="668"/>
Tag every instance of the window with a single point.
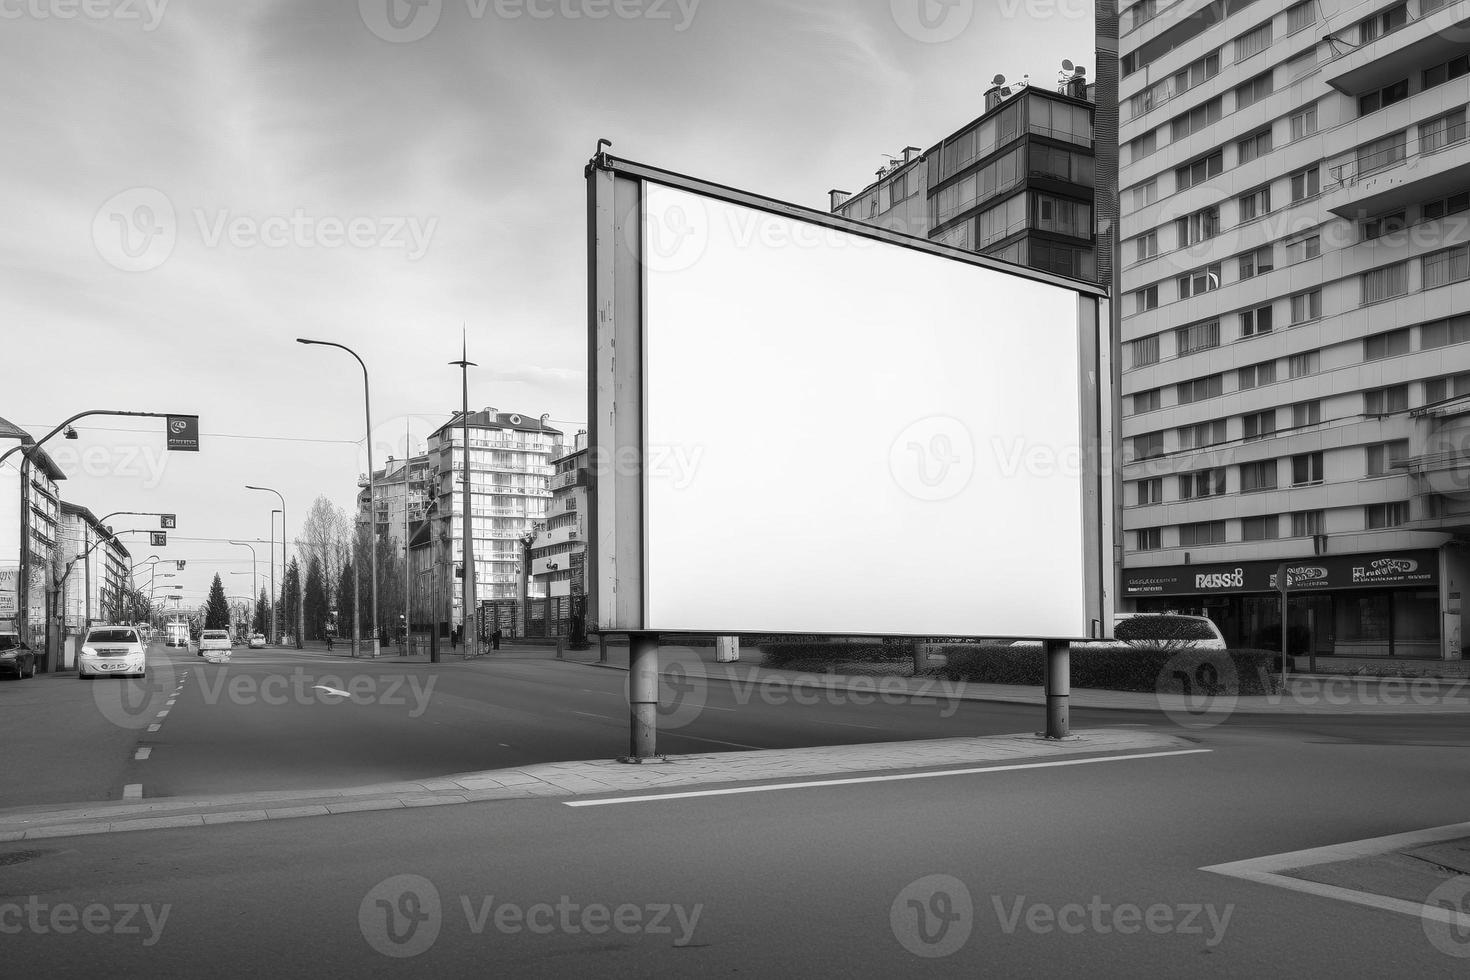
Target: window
<point x="1442" y="333"/>
<point x="1199" y="281"/>
<point x="1058" y="214"/>
<point x="1370" y="102"/>
<point x="1394" y="514"/>
<point x="1306" y="183"/>
<point x="1302" y="65"/>
<point x="1146" y="401"/>
<point x="1307" y="522"/>
<point x="1383" y="22"/>
<point x="1145" y="193"/>
<point x="1148" y="539"/>
<point x="1257" y="321"/>
<point x="1303" y="122"/>
<point x="1148" y="246"/>
<point x="1255" y="375"/>
<point x="1143" y="146"/>
<point x="1306" y="306"/>
<point x="1301" y="16"/>
<point x="1201" y="435"/>
<point x="1303" y="249"/>
<point x="1194" y="120"/>
<point x="1447" y="266"/>
<point x="1205" y="532"/>
<point x="1252" y="42"/>
<point x="1306" y="413"/>
<point x="1199" y="171"/>
<point x="1253" y="91"/>
<point x="1452" y="386"/>
<point x="1254" y="146"/>
<point x="1255" y="204"/>
<point x="1148" y="445"/>
<point x="1203" y="224"/>
<point x="1260" y="425"/>
<point x="1302" y="365"/>
<point x="1382" y="457"/>
<point x="1066" y="260"/>
<point x="1384" y="224"/>
<point x="1381" y="154"/>
<point x="1151" y="491"/>
<point x="1257" y="262"/>
<point x="1202" y="483"/>
<point x="1385" y="283"/>
<point x="1441" y="73"/>
<point x="1453" y="204"/>
<point x="1390" y="344"/>
<point x="1146" y="299"/>
<point x="1143" y="351"/>
<point x="1197" y="337"/>
<point x="1199" y="389"/>
<point x="1386" y="401"/>
<point x="1263" y="528"/>
<point x="1442" y="131"/>
<point x="1306" y="469"/>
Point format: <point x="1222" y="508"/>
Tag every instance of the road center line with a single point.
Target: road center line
<point x="771" y="787"/>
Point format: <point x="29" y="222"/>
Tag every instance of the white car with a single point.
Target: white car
<point x="257" y="641"/>
<point x="112" y="650"/>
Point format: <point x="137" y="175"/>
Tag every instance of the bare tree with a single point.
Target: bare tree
<point x="326" y="536"/>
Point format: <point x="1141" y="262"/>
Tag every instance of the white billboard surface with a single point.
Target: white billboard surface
<point x="849" y="436"/>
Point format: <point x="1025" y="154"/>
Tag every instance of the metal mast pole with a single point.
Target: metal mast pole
<point x="468" y="618"/>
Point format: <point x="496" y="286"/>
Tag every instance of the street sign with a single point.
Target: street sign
<point x="168" y="520"/>
<point x="181" y="565"/>
<point x="158" y="539"/>
<point x="183" y="433"/>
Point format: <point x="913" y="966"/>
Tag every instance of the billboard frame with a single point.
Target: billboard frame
<point x="617" y="429"/>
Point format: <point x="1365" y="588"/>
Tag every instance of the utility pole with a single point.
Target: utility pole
<point x="469" y="618"/>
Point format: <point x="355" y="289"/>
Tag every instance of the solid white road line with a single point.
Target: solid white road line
<point x="1265" y="870"/>
<point x="142" y="753"/>
<point x="848" y="781"/>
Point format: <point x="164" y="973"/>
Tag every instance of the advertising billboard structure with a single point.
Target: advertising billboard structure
<point x="805" y="425"/>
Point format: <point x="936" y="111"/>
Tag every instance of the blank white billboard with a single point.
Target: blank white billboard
<point x="849" y="436"/>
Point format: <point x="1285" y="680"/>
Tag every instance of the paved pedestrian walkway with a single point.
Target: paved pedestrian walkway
<point x="580" y="779"/>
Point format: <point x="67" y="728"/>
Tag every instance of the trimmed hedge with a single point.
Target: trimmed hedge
<point x="819" y="653"/>
<point x="1244" y="671"/>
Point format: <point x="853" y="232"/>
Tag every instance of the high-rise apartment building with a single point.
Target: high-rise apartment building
<point x="560" y="547"/>
<point x="1294" y="189"/>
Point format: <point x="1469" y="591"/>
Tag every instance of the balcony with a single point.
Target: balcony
<point x="1430" y="40"/>
<point x="1443" y="467"/>
<point x="1390" y="180"/>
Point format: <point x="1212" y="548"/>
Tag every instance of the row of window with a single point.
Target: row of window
<point x="1267" y="527"/>
<point x="1037" y="114"/>
<point x="1004" y="173"/>
<point x="1305" y="471"/>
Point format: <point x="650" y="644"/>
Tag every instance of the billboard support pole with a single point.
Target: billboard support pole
<point x="642" y="696"/>
<point x="1058" y="686"/>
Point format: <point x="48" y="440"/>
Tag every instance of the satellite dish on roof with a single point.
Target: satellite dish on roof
<point x="1066" y="64"/>
<point x="1081" y="71"/>
<point x="998" y="80"/>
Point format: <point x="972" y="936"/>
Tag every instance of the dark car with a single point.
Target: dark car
<point x="16" y="659"/>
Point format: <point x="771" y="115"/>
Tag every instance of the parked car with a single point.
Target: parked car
<point x="257" y="641"/>
<point x="1139" y="635"/>
<point x="16" y="658"/>
<point x="114" y="650"/>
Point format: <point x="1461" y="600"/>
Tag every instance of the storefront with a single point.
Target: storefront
<point x="1385" y="604"/>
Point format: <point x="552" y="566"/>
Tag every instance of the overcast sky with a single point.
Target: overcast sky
<point x="193" y="184"/>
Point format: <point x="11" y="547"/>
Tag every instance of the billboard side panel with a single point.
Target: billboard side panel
<point x="1093" y="388"/>
<point x="1108" y="451"/>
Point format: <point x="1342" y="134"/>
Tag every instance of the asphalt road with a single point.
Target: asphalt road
<point x="815" y="881"/>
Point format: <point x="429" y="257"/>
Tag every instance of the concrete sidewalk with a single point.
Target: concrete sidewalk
<point x="1328" y="694"/>
<point x="579" y="779"/>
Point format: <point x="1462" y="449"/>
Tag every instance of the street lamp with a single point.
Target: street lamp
<point x="469" y="593"/>
<point x="283" y="556"/>
<point x="254" y="584"/>
<point x="372" y="501"/>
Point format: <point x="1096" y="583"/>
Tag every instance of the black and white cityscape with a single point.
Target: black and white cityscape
<point x="673" y="487"/>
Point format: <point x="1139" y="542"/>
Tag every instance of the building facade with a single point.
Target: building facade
<point x="510" y="476"/>
<point x="558" y="553"/>
<point x="1295" y="319"/>
<point x="30" y="519"/>
<point x="1016" y="184"/>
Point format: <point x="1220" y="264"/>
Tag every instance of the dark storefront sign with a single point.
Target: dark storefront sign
<point x="1371" y="570"/>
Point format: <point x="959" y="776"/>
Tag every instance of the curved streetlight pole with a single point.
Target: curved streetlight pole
<point x="372" y="495"/>
<point x="282" y="499"/>
<point x="254" y="582"/>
